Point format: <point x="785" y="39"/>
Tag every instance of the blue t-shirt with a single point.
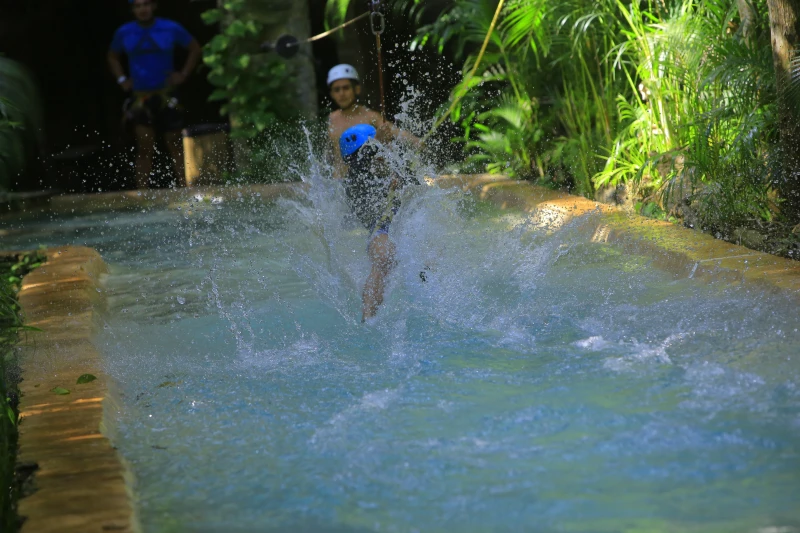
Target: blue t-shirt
<point x="150" y="51"/>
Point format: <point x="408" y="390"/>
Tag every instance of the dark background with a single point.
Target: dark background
<point x="64" y="45"/>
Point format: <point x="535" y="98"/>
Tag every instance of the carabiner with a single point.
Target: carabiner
<point x="377" y="15"/>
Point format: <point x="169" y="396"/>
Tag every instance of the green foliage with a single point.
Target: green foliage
<point x="20" y="120"/>
<point x="665" y="96"/>
<point x="724" y="189"/>
<point x="280" y="153"/>
<point x="336" y="10"/>
<point x="21" y="266"/>
<point x="85" y="378"/>
<point x="541" y="51"/>
<point x="793" y="91"/>
<point x="12" y="268"/>
<point x="502" y="135"/>
<point x="251" y="83"/>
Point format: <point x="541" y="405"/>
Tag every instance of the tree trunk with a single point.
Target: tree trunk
<point x="746" y="14"/>
<point x="291" y="17"/>
<point x="281" y="17"/>
<point x="784" y="18"/>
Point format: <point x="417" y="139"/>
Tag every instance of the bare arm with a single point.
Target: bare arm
<point x="195" y="52"/>
<point x="388" y="131"/>
<point x="115" y="65"/>
<point x="334" y="159"/>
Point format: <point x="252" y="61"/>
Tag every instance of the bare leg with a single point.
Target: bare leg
<point x="145" y="148"/>
<point x="381" y="253"/>
<point x="174" y="142"/>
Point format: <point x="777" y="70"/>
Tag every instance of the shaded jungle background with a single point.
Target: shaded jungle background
<point x="678" y="109"/>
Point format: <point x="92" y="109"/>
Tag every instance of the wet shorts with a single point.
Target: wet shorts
<point x="382" y="225"/>
<point x="159" y="110"/>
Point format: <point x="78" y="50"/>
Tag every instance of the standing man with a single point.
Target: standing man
<point x="149" y="44"/>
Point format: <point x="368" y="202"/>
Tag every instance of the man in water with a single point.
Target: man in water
<point x="149" y="43"/>
<point x="345" y="87"/>
<point x="373" y="198"/>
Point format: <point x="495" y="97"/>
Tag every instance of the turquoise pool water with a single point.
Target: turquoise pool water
<point x="536" y="381"/>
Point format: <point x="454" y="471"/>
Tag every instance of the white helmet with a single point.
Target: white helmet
<point x="342" y="72"/>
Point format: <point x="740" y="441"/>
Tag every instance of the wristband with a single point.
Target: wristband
<point x="122" y="79"/>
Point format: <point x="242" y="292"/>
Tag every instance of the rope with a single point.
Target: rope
<point x="471" y="74"/>
<point x="331" y="31"/>
<point x="377" y="23"/>
<point x="380" y="75"/>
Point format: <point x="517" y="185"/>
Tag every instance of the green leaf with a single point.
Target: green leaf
<point x="237" y="28"/>
<point x="212" y="16"/>
<point x="252" y="27"/>
<point x="244" y="61"/>
<point x="219" y="43"/>
<point x="218" y="94"/>
<point x="86" y="378"/>
<point x="211" y="60"/>
<point x="59" y="390"/>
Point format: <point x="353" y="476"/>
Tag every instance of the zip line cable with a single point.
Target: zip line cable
<point x="287" y="46"/>
<point x="334" y="30"/>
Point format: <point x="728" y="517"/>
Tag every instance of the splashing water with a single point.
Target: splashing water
<point x="533" y="381"/>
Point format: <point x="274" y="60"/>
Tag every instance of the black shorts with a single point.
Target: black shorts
<point x="160" y="111"/>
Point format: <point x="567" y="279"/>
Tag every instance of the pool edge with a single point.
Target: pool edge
<point x="80" y="483"/>
<point x="681" y="251"/>
<point x="83" y="483"/>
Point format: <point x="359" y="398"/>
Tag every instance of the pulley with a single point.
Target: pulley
<point x="285" y="46"/>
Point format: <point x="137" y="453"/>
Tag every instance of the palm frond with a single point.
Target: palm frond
<point x="21" y="120"/>
<point x="793" y="87"/>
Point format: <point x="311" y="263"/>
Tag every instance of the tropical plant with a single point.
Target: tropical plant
<point x="544" y="55"/>
<point x="20" y="121"/>
<point x="12" y="268"/>
<point x="674" y="98"/>
<point x="251" y="84"/>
